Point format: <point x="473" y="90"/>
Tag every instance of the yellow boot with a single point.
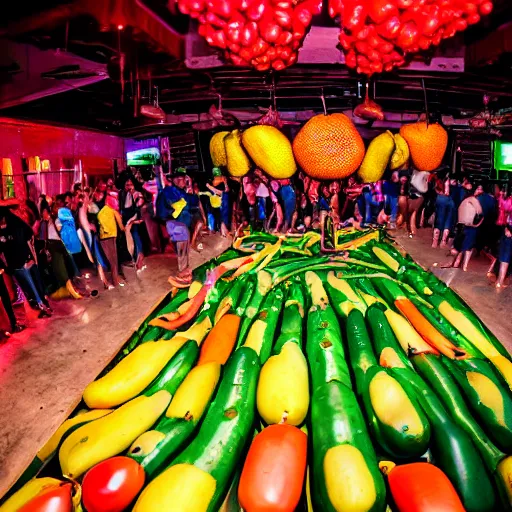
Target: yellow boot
<point x="61" y="293"/>
<point x="71" y="290"/>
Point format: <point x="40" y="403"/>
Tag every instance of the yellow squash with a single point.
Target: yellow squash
<point x="195" y="392"/>
<point x="392" y="406"/>
<point x="283" y="387"/>
<point x="180" y="488"/>
<point x="84" y="417"/>
<point x="377" y="158"/>
<point x="349" y="482"/>
<point x="30" y="490"/>
<point x="406" y="335"/>
<point x="270" y="150"/>
<point x="132" y="374"/>
<point x="217" y="149"/>
<point x="386" y="258"/>
<point x="238" y="161"/>
<point x="111" y="434"/>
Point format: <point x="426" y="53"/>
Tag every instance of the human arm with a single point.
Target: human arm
<point x="119" y="220"/>
<point x="216" y="191"/>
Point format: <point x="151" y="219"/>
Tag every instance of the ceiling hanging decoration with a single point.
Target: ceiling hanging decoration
<point x="264" y="34"/>
<point x="378" y="35"/>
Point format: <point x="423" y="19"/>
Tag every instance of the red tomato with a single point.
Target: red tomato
<point x="260" y="47"/>
<point x="256" y="10"/>
<point x="274" y="470"/>
<point x="485" y="8"/>
<point x="390" y="28"/>
<point x="57" y="499"/>
<point x="354" y="14"/>
<point x="285" y="39"/>
<point x="381" y="10"/>
<point x="423" y="486"/>
<point x="269" y="31"/>
<point x="249" y="34"/>
<point x="283" y="17"/>
<point x="408" y="36"/>
<point x="112" y="485"/>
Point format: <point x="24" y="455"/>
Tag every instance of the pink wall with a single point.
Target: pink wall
<point x="21" y="139"/>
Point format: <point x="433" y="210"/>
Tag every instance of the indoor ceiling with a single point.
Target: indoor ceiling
<point x="149" y="42"/>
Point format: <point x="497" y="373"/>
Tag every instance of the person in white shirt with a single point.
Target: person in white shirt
<point x="470" y="217"/>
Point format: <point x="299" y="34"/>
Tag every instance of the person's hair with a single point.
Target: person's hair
<point x="44" y="206"/>
<point x="77" y="187"/>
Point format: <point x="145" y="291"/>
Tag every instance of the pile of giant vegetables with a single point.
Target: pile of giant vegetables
<point x="283" y="379"/>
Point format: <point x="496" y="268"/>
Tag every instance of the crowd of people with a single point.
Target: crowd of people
<point x="48" y="248"/>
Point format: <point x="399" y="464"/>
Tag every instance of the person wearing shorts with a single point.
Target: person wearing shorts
<point x="470" y="218"/>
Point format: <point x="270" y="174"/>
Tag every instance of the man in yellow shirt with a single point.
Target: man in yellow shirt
<point x="110" y="220"/>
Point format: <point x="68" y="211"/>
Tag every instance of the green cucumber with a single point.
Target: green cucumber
<point x="293" y="316"/>
<point x="338" y="431"/>
<point x="262" y="331"/>
<point x="262" y="287"/>
<point x="228" y="424"/>
<point x="175" y="370"/>
<point x="488" y="397"/>
<point x="397" y="422"/>
<point x="384" y="340"/>
<point x="452" y="448"/>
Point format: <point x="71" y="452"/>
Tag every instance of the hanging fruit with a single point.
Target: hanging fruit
<point x="404" y="27"/>
<point x="217" y="149"/>
<point x="377" y="158"/>
<point x="263" y="34"/>
<point x="270" y="150"/>
<point x="329" y="147"/>
<point x="237" y="161"/>
<point x="427" y="144"/>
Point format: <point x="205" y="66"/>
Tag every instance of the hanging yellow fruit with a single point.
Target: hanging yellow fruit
<point x="270" y="150"/>
<point x="401" y="153"/>
<point x="217" y="149"/>
<point x="237" y="161"/>
<point x="377" y="158"/>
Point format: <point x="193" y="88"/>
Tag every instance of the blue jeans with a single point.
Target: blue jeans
<point x="368" y="208"/>
<point x="444" y="212"/>
<point x="289" y="199"/>
<point x="505" y="251"/>
<point x="136" y="239"/>
<point x="392" y="207"/>
<point x="262" y="208"/>
<point x="31" y="283"/>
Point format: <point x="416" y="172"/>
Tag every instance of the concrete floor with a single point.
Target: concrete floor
<point x="44" y="369"/>
<point x="493" y="308"/>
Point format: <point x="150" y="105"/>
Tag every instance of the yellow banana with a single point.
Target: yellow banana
<point x="111" y="434"/>
<point x="30" y="490"/>
<point x="132" y="375"/>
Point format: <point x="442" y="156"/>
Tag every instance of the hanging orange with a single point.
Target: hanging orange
<point x="427" y="144"/>
<point x="329" y="147"/>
